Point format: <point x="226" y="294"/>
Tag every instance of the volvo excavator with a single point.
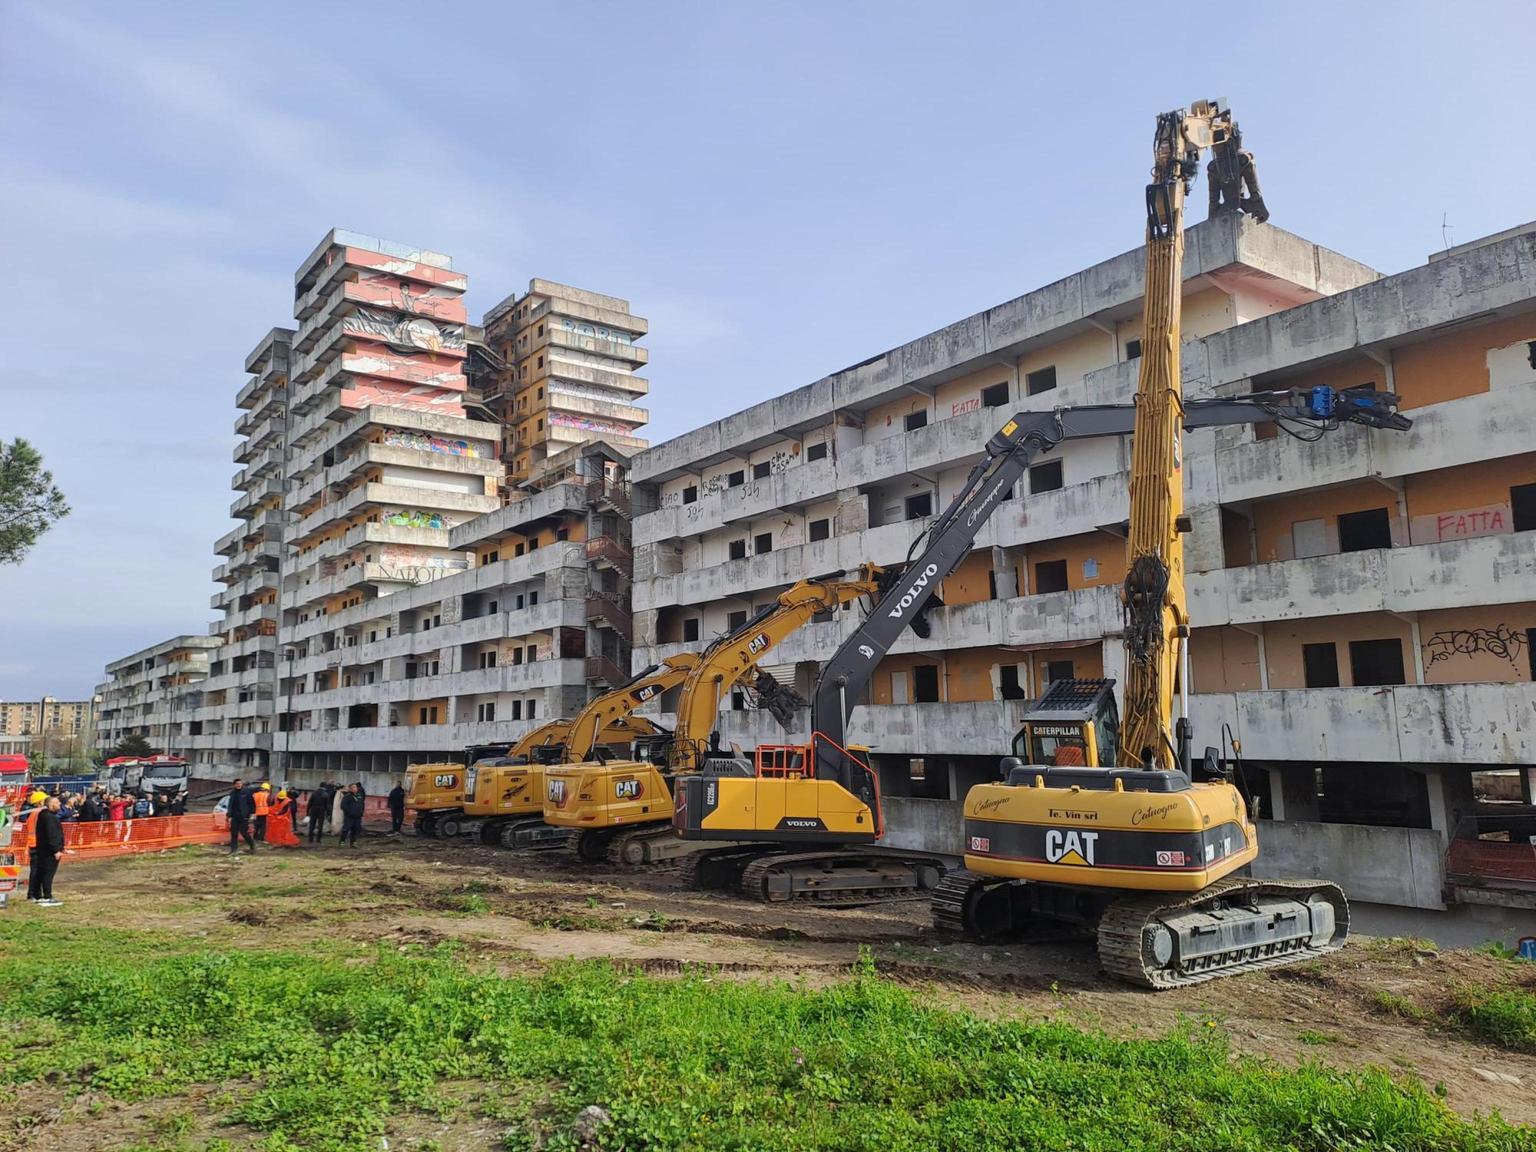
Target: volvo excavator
<point x="621" y="810"/>
<point x="450" y="800"/>
<point x="1136" y="850"/>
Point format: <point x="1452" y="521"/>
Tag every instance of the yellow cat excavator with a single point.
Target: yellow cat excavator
<point x="621" y="810"/>
<point x="450" y="800"/>
<point x="1139" y="851"/>
<point x="506" y="793"/>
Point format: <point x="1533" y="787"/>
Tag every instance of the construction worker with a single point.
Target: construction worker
<point x="263" y="802"/>
<point x="47" y="851"/>
<point x="352" y="815"/>
<point x="319" y="805"/>
<point x="396" y="808"/>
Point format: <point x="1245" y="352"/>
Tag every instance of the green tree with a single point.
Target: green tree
<point x="30" y="502"/>
<point x="132" y="745"/>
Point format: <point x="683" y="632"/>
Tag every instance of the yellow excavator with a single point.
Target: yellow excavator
<point x="449" y="800"/>
<point x="506" y="793"/>
<point x="621" y="810"/>
<point x="1139" y="851"/>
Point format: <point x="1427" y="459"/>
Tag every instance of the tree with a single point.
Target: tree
<point x="30" y="502"/>
<point x="131" y="745"/>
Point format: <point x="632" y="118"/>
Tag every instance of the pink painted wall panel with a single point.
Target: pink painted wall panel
<point x="417" y="397"/>
<point x="407" y="269"/>
<point x="439" y="304"/>
<point x="370" y="359"/>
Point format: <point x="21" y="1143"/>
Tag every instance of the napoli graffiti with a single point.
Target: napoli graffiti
<point x="404" y="438"/>
<point x="1502" y="642"/>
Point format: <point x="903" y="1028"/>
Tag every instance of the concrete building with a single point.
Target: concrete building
<point x="1365" y="606"/>
<point x="566" y="375"/>
<point x="388" y="596"/>
<point x="157" y="693"/>
<point x="476" y="655"/>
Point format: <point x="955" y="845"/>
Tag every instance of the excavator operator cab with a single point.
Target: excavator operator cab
<point x="1074" y="724"/>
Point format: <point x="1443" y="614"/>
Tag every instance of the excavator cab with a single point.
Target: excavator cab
<point x="1074" y="724"/>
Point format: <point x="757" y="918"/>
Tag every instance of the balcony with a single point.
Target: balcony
<point x="605" y="673"/>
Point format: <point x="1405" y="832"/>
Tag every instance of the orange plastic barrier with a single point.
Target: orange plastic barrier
<point x="122" y="837"/>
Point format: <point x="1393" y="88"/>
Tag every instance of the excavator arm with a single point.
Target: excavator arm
<point x="1009" y="453"/>
<point x="615" y="706"/>
<point x="730" y="658"/>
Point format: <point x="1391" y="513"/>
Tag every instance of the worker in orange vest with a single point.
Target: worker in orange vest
<point x="263" y="797"/>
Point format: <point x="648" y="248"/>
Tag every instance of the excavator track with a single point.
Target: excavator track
<point x="1233" y="926"/>
<point x="838" y="879"/>
<point x="953" y="902"/>
<point x="717" y="869"/>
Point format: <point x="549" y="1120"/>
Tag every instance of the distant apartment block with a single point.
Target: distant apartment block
<point x="1365" y="606"/>
<point x="25" y="724"/>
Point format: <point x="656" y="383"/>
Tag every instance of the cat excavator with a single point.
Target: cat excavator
<point x="1112" y="833"/>
<point x="621" y="810"/>
<point x="504" y="802"/>
<point x="506" y="793"/>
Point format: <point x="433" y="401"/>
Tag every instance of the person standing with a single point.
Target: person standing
<point x="47" y="851"/>
<point x="316" y="809"/>
<point x="241" y="809"/>
<point x="396" y="808"/>
<point x="351" y="815"/>
<point x="262" y="798"/>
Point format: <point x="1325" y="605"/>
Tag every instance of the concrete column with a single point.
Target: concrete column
<point x="1528" y="786"/>
<point x="1203" y="551"/>
<point x="1293" y="792"/>
<point x="1005" y="573"/>
<point x="1450" y="799"/>
<point x="1114" y="668"/>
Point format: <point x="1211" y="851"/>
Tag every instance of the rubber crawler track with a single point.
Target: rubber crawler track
<point x="754" y="883"/>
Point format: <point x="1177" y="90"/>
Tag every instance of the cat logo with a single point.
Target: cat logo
<point x="758" y="643"/>
<point x="557" y="793"/>
<point x="630" y="789"/>
<point x="647" y="692"/>
<point x="444" y="780"/>
<point x="1070" y="847"/>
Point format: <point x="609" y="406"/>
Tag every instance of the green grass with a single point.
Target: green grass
<point x="320" y="1049"/>
<point x="1502" y="1016"/>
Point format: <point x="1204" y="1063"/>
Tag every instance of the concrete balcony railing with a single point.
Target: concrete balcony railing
<point x="1401" y="724"/>
<point x="613" y="349"/>
<point x="1418" y="578"/>
<point x="519" y="514"/>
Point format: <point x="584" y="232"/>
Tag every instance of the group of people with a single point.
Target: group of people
<point x="252" y="807"/>
<point x="98" y="804"/>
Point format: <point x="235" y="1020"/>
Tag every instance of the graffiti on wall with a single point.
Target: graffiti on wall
<point x="1501" y="642"/>
<point x="598" y="331"/>
<point x="590" y="424"/>
<point x="1462" y="524"/>
<point x="416" y="518"/>
<point x="406" y="331"/>
<point x="404" y="438"/>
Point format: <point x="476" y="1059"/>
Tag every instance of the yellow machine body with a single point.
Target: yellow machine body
<point x="619" y="794"/>
<point x="775" y="795"/>
<point x="1117" y="837"/>
<point x="436" y="787"/>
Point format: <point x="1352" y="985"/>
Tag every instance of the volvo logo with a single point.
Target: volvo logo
<point x="914" y="592"/>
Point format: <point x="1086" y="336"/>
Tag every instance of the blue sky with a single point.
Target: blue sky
<point x="782" y="189"/>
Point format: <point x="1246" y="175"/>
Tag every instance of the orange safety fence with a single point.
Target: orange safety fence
<point x="1506" y="860"/>
<point x="122" y="837"/>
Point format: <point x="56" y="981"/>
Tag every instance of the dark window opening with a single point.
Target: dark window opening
<point x="817" y="451"/>
<point x="1057" y="670"/>
<point x="1050" y="576"/>
<point x="991" y="584"/>
<point x="762" y="542"/>
<point x="995" y="396"/>
<point x="1008" y="682"/>
<point x="1522" y="504"/>
<point x="1376" y="662"/>
<point x="691" y="628"/>
<point x="1320" y="665"/>
<point x="1045" y="477"/>
<point x="1359" y="531"/>
<point x="760" y="471"/>
<point x="735" y="620"/>
<point x="925" y="684"/>
<point x="691" y="494"/>
<point x="915" y="420"/>
<point x="1530" y="633"/>
<point x="920" y="507"/>
<point x="738" y="550"/>
<point x="736" y="479"/>
<point x="1133" y="349"/>
<point x="820" y="530"/>
<point x="1040" y="380"/>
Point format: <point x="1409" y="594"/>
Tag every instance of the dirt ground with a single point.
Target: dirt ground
<point x="521" y="910"/>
